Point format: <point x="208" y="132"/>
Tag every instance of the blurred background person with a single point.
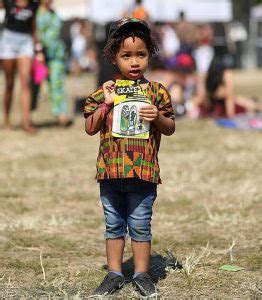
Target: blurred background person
<point x="137" y="11"/>
<point x="183" y="87"/>
<point x="203" y="54"/>
<point x="49" y="30"/>
<point x="169" y="40"/>
<point x="74" y="28"/>
<point x="204" y="51"/>
<point x="17" y="50"/>
<point x="187" y="34"/>
<point x="140" y="12"/>
<point x="220" y="100"/>
<point x="78" y="48"/>
<point x="83" y="55"/>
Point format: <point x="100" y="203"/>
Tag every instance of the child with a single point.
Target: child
<point x="127" y="168"/>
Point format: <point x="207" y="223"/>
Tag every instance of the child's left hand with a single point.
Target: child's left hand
<point x="149" y="113"/>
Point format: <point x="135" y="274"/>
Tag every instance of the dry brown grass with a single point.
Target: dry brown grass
<point x="51" y="222"/>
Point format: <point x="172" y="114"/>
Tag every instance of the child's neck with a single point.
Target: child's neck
<point x="141" y="80"/>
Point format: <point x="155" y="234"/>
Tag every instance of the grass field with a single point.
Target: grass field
<point x="208" y="212"/>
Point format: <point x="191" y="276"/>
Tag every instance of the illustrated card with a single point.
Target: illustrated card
<point x="126" y="120"/>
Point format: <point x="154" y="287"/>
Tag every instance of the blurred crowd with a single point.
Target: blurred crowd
<point x="200" y="82"/>
<point x="82" y="50"/>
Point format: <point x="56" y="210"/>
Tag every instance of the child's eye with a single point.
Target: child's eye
<point x="126" y="55"/>
<point x="142" y="54"/>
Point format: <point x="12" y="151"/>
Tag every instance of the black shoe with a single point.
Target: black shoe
<point x="144" y="285"/>
<point x="111" y="283"/>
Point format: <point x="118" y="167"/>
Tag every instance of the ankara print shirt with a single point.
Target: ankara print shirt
<point x="125" y="157"/>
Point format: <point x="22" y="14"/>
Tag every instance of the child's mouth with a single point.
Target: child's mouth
<point x="134" y="72"/>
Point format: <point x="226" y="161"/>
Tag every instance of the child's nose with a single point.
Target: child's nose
<point x="134" y="62"/>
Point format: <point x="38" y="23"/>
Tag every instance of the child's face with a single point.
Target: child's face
<point x="132" y="58"/>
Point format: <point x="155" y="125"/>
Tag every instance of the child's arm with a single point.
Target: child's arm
<point x="164" y="124"/>
<point x="94" y="122"/>
<point x="161" y="114"/>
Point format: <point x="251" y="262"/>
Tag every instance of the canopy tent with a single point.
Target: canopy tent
<point x="69" y="9"/>
<point x="104" y="11"/>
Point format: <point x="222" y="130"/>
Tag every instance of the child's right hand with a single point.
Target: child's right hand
<point x="109" y="91"/>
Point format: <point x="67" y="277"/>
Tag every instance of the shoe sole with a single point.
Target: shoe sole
<point x="153" y="296"/>
<point x="106" y="294"/>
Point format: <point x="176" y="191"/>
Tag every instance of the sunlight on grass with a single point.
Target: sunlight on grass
<point x="49" y="205"/>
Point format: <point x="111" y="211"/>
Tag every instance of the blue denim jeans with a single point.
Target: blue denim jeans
<point x="128" y="204"/>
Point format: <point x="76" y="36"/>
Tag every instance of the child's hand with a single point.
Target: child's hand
<point x="109" y="91"/>
<point x="149" y="113"/>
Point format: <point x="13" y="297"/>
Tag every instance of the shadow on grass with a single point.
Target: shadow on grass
<point x="46" y="124"/>
<point x="158" y="265"/>
<point x="51" y="124"/>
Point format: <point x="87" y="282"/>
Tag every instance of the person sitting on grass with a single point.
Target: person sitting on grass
<point x="127" y="168"/>
<point x="220" y="100"/>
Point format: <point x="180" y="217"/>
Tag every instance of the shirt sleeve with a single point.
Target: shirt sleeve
<point x="93" y="101"/>
<point x="164" y="103"/>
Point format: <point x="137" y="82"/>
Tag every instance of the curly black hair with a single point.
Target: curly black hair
<point x="114" y="42"/>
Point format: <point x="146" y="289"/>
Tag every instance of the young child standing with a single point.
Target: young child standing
<point x="127" y="168"/>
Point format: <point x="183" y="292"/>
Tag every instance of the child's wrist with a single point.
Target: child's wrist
<point x="108" y="103"/>
<point x="105" y="108"/>
<point x="157" y="118"/>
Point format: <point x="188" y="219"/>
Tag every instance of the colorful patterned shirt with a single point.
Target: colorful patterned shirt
<point x="129" y="157"/>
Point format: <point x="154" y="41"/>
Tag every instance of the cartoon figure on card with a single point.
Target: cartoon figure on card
<point x="132" y="118"/>
<point x="124" y="123"/>
<point x="140" y="124"/>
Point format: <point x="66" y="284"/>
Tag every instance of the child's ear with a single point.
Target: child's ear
<point x="114" y="60"/>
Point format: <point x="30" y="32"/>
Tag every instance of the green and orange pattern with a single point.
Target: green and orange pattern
<point x="130" y="158"/>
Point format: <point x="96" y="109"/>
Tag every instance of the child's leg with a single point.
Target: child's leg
<point x="140" y="203"/>
<point x="140" y="200"/>
<point x="113" y="200"/>
<point x="114" y="252"/>
<point x="141" y="254"/>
